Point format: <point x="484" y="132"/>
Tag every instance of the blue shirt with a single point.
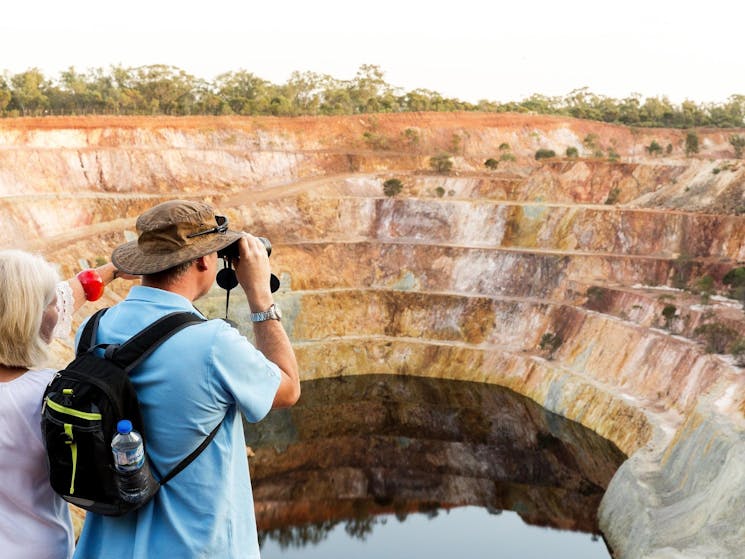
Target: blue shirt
<point x="202" y="374"/>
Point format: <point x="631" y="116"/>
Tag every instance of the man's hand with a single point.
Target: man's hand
<point x="253" y="272"/>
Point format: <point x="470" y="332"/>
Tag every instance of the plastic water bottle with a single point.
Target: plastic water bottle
<point x="134" y="479"/>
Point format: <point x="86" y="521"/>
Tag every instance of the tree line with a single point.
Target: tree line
<point x="168" y="90"/>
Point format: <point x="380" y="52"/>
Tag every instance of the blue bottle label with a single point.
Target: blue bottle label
<point x="130" y="459"/>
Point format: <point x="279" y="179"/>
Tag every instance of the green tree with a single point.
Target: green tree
<point x="691" y="115"/>
<point x="164" y="89"/>
<point x="491" y="163"/>
<point x="244" y="93"/>
<point x="336" y="100"/>
<point x="29" y="92"/>
<point x="629" y="109"/>
<point x="572" y="152"/>
<point x="304" y="91"/>
<point x="5" y="94"/>
<point x="656" y="112"/>
<point x="79" y="94"/>
<point x="370" y="93"/>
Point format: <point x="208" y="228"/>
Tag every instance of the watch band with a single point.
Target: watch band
<point x="272" y="313"/>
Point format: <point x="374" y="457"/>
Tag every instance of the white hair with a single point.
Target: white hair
<point x="27" y="287"/>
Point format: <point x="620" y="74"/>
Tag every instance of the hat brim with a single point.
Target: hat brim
<point x="130" y="259"/>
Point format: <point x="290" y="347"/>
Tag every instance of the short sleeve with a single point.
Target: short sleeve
<point x="65" y="309"/>
<point x="243" y="374"/>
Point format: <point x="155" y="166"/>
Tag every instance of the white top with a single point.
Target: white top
<point x="65" y="309"/>
<point x="34" y="521"/>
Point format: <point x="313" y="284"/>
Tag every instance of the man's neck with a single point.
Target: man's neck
<point x="191" y="284"/>
<point x="178" y="288"/>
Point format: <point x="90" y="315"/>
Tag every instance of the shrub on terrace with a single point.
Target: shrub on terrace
<point x="442" y="163"/>
<point x="735" y="280"/>
<point x="572" y="152"/>
<point x="737" y="349"/>
<point x="654" y="148"/>
<point x="545" y="154"/>
<point x="491" y="163"/>
<point x="668" y="313"/>
<point x="376" y="141"/>
<point x="595" y="292"/>
<point x="691" y="143"/>
<point x="738" y="143"/>
<point x="613" y="195"/>
<point x="412" y="137"/>
<point x="550" y="342"/>
<point x="391" y="187"/>
<point x="717" y="336"/>
<point x="704" y="286"/>
<point x="591" y="142"/>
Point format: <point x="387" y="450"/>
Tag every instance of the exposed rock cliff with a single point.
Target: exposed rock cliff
<point x="462" y="274"/>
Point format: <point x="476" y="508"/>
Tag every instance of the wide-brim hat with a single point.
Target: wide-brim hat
<point x="172" y="233"/>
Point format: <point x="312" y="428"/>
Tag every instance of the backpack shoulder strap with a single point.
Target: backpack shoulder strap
<point x="89" y="332"/>
<point x="136" y="349"/>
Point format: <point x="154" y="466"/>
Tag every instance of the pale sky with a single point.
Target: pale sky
<point x="468" y="49"/>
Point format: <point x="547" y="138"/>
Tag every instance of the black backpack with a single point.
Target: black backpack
<point x="82" y="405"/>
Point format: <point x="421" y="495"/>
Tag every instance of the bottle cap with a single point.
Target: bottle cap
<point x="124" y="427"/>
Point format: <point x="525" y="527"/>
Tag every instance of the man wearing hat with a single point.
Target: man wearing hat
<point x="203" y="375"/>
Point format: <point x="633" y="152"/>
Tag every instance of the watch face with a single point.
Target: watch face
<point x="277" y="311"/>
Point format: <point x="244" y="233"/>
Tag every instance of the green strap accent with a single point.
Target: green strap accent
<point x="75" y="413"/>
<point x="74" y="452"/>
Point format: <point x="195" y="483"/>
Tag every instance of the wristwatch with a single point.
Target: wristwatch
<point x="272" y="313"/>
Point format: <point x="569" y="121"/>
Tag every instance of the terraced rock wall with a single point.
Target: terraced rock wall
<point x="461" y="275"/>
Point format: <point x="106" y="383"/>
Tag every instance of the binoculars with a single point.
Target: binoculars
<point x="226" y="277"/>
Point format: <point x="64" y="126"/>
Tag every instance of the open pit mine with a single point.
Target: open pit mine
<point x="438" y="245"/>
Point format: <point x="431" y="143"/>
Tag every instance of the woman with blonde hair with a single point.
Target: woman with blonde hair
<point x="34" y="308"/>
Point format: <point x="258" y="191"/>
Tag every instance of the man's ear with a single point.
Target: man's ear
<point x="201" y="263"/>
